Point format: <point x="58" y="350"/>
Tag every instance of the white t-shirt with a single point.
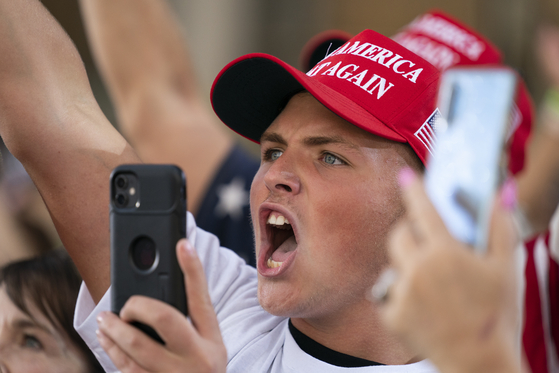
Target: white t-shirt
<point x="255" y="340"/>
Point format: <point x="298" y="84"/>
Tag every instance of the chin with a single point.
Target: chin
<point x="278" y="302"/>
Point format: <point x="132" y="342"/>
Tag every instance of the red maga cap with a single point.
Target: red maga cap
<point x="371" y="81"/>
<point x="445" y="42"/>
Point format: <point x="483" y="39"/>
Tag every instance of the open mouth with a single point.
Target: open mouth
<point x="282" y="240"/>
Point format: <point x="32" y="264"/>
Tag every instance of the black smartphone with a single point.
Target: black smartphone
<point x="147" y="219"/>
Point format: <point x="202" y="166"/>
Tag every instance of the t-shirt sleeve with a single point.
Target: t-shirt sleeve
<point x="85" y="323"/>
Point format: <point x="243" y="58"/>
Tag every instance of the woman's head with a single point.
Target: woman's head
<point x="37" y="300"/>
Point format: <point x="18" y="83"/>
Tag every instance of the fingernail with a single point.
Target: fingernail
<point x="188" y="248"/>
<point x="508" y="194"/>
<point x="101" y="317"/>
<point x="406" y="177"/>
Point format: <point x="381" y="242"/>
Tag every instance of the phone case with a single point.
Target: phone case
<point x="147" y="218"/>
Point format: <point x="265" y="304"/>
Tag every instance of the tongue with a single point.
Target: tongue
<point x="282" y="253"/>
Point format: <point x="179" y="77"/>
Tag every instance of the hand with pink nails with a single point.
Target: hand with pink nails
<point x="450" y="305"/>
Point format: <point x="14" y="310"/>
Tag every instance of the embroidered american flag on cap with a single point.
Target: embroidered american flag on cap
<point x="427" y="133"/>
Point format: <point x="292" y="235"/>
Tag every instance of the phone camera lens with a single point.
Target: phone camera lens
<point x="143" y="253"/>
<point x="121" y="181"/>
<point x="121" y="200"/>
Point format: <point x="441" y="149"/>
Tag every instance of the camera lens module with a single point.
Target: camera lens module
<point x="121" y="200"/>
<point x="121" y="181"/>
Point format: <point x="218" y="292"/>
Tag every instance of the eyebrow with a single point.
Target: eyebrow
<point x="310" y="141"/>
<point x="323" y="140"/>
<point x="273" y="137"/>
<point x="25" y="324"/>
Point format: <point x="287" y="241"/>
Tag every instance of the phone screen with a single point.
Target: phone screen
<point x="466" y="166"/>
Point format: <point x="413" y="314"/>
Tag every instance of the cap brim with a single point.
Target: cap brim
<point x="250" y="92"/>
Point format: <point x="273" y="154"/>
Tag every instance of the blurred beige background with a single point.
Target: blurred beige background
<point x="217" y="31"/>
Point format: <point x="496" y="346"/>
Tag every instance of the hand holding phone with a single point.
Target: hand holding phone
<point x="193" y="342"/>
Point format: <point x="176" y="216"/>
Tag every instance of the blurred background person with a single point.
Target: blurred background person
<point x="37" y="300"/>
<point x="537" y="217"/>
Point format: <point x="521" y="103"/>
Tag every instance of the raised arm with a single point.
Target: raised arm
<point x="538" y="185"/>
<point x="143" y="59"/>
<point x="50" y="121"/>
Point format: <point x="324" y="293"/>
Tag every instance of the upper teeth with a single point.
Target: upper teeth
<point x="277" y="219"/>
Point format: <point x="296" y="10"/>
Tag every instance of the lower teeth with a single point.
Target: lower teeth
<point x="273" y="264"/>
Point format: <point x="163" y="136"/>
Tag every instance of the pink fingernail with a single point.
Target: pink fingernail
<point x="406" y="177"/>
<point x="508" y="194"/>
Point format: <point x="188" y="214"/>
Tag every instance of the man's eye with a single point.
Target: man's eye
<point x="32" y="342"/>
<point x="272" y="154"/>
<point x="275" y="154"/>
<point x="332" y="159"/>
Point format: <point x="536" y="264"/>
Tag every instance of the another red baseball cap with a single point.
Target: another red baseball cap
<point x="371" y="81"/>
<point x="320" y="46"/>
<point x="446" y="42"/>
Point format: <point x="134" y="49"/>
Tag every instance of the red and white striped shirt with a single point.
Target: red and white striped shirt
<point x="541" y="301"/>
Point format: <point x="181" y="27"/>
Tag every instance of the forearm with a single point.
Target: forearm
<point x="143" y="59"/>
<point x="538" y="185"/>
<point x="135" y="43"/>
<point x="50" y="121"/>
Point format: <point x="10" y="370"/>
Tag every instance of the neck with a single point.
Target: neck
<point x="359" y="333"/>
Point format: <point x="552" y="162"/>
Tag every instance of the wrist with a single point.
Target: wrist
<point x="496" y="354"/>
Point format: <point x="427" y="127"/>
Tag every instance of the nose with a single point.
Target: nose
<point x="281" y="177"/>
